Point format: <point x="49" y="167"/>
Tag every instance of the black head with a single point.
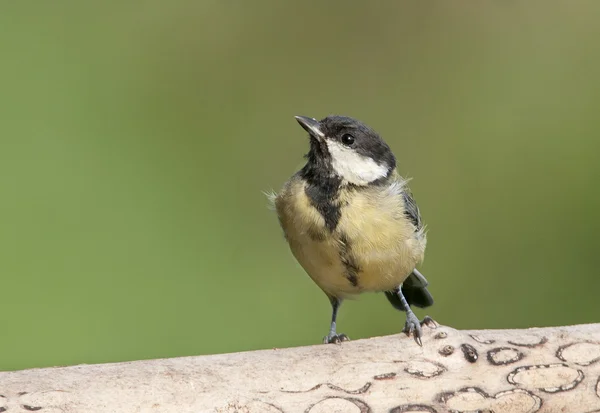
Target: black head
<point x="348" y="149"/>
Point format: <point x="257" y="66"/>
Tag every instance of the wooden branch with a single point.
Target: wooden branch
<point x="504" y="371"/>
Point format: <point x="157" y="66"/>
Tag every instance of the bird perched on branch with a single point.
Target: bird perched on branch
<point x="351" y="221"/>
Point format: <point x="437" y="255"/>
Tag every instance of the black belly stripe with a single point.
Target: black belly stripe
<point x="322" y="186"/>
<point x="324" y="199"/>
<point x="350" y="265"/>
<point x="352" y="277"/>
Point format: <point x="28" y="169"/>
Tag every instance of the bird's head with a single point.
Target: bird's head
<point x="348" y="149"/>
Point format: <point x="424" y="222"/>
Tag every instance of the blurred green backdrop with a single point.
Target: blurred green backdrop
<point x="137" y="138"/>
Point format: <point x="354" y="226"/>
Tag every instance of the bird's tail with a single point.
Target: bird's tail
<point x="419" y="297"/>
<point x="414" y="289"/>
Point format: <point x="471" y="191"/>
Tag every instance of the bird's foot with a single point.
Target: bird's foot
<point x="429" y="322"/>
<point x="413" y="326"/>
<point x="333" y="338"/>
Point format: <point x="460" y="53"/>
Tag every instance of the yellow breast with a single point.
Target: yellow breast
<point x="373" y="247"/>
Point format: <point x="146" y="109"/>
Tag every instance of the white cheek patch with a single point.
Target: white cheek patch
<point x="353" y="167"/>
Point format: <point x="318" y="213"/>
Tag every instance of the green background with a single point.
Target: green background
<point x="137" y="138"/>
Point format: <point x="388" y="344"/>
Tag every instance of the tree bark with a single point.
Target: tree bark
<point x="503" y="371"/>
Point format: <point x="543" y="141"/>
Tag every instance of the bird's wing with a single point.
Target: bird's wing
<point x="415" y="280"/>
<point x="411" y="210"/>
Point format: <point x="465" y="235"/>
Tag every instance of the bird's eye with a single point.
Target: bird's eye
<point x="347" y="139"/>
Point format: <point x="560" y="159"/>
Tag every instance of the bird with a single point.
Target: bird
<point x="352" y="223"/>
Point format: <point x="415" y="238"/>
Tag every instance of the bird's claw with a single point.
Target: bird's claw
<point x="413" y="326"/>
<point x="333" y="338"/>
<point x="429" y="322"/>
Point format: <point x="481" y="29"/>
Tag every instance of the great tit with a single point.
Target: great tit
<point x="351" y="220"/>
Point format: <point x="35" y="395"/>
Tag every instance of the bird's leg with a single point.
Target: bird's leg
<point x="333" y="336"/>
<point x="412" y="325"/>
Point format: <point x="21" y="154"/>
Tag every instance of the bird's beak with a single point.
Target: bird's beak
<point x="311" y="125"/>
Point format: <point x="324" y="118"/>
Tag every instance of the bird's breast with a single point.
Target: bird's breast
<point x="373" y="247"/>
